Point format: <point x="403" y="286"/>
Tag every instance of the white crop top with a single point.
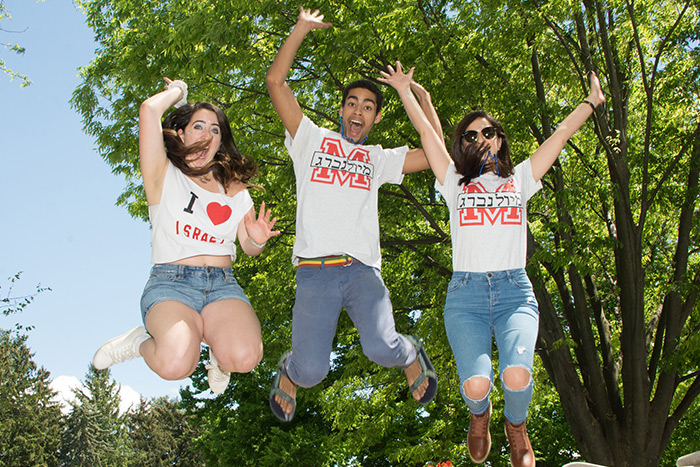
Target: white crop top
<point x="191" y="221"/>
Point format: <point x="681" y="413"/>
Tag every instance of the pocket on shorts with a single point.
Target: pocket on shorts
<point x="519" y="279"/>
<point x="228" y="277"/>
<point x="162" y="275"/>
<point x="456" y="283"/>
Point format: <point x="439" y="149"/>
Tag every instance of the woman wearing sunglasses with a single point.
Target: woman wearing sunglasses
<point x="490" y="295"/>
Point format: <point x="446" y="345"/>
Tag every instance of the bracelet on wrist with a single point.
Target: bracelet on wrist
<point x="586" y="101"/>
<point x="257" y="245"/>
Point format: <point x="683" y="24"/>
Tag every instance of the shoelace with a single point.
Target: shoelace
<point x="480" y="424"/>
<point x="219" y="374"/>
<point x="517" y="437"/>
<point x="125" y="353"/>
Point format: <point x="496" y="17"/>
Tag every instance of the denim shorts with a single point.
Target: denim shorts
<point x="194" y="286"/>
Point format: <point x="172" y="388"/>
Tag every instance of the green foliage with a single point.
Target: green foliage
<point x="94" y="433"/>
<point x="161" y="434"/>
<point x="13" y="48"/>
<point x="615" y="230"/>
<point x="10" y="304"/>
<point x="30" y="431"/>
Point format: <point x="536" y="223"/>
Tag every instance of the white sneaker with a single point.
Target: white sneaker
<point x="120" y="349"/>
<point x="218" y="379"/>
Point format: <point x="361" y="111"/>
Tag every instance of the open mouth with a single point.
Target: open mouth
<point x="355" y="127"/>
<point x="198" y="156"/>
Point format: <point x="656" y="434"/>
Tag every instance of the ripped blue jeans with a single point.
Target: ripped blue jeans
<point x="500" y="305"/>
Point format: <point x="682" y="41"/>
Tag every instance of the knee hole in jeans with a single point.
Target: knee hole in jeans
<point x="477" y="387"/>
<point x="516" y="378"/>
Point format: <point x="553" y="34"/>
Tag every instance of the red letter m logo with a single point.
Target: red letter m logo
<point x="333" y="166"/>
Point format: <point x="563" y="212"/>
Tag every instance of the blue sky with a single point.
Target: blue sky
<point x="60" y="224"/>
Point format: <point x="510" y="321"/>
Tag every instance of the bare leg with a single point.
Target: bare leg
<point x="232" y="330"/>
<point x="173" y="350"/>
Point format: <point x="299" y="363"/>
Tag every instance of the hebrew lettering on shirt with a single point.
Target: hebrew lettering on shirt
<point x="331" y="165"/>
<point x="475" y="205"/>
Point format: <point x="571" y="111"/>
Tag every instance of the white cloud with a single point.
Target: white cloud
<point x="64" y="385"/>
<point x="130" y="398"/>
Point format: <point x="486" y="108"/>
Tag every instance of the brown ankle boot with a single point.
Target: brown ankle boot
<point x="479" y="437"/>
<point x="521" y="454"/>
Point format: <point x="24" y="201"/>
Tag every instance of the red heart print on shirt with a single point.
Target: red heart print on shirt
<point x="218" y="213"/>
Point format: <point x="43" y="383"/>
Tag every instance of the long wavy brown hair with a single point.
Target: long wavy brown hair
<point x="228" y="165"/>
<point x="469" y="157"/>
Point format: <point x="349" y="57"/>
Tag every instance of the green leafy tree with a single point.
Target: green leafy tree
<point x="94" y="433"/>
<point x="14" y="304"/>
<point x="14" y="48"/>
<point x="614" y="233"/>
<point x="161" y="434"/>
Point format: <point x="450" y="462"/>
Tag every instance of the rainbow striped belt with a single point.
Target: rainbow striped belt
<point x="326" y="261"/>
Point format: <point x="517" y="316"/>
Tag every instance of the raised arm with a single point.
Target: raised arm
<point x="549" y="151"/>
<point x="254" y="233"/>
<point x="432" y="141"/>
<point x="151" y="148"/>
<point x="416" y="159"/>
<point x="427" y="105"/>
<point x="281" y="94"/>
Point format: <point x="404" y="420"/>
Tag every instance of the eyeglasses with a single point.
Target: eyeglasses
<point x="470" y="136"/>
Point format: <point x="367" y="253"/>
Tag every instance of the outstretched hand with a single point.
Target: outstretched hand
<point x="595" y="96"/>
<point x="260" y="229"/>
<point x="312" y="20"/>
<point x="396" y="78"/>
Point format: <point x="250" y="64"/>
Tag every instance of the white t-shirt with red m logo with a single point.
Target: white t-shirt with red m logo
<point x="337" y="193"/>
<point x="488" y="218"/>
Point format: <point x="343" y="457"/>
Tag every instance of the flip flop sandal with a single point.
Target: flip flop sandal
<point x="427" y="371"/>
<point x="277" y="391"/>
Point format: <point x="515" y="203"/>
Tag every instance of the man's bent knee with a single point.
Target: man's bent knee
<point x="308" y="377"/>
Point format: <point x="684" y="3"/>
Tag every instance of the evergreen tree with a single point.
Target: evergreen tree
<point x="94" y="433"/>
<point x="30" y="418"/>
<point x="160" y="434"/>
<point x="30" y="427"/>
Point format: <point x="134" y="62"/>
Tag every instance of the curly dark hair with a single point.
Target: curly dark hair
<point x="228" y="164"/>
<point x="469" y="157"/>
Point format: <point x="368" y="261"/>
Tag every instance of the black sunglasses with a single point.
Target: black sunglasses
<point x="470" y="136"/>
